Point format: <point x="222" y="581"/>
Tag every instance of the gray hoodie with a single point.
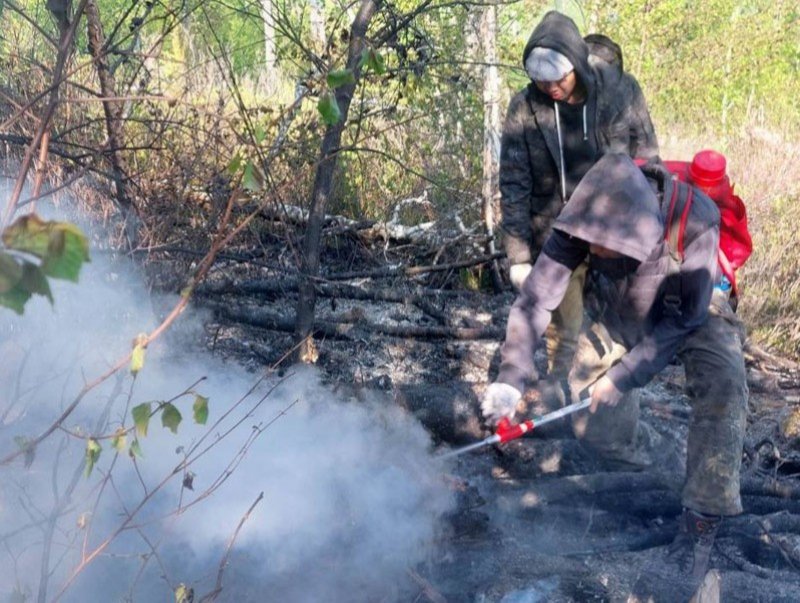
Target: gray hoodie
<point x="616" y="207"/>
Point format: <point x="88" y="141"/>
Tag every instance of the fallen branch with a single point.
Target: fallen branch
<point x="767" y="359"/>
<point x="400" y="270"/>
<point x="272" y="289"/>
<point x="767" y="486"/>
<point x="781" y="521"/>
<point x="556" y="489"/>
<point x="259" y="317"/>
<point x="730" y="549"/>
<point x="275" y="288"/>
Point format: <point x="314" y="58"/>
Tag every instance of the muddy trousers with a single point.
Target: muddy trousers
<point x="717" y="389"/>
<point x="562" y="334"/>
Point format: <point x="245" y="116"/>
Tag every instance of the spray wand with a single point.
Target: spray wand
<point x="507" y="431"/>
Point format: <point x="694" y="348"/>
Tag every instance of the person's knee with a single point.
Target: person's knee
<point x="719" y="398"/>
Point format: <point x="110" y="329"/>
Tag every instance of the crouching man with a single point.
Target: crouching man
<point x="650" y="295"/>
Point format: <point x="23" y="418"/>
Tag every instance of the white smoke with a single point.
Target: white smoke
<point x="351" y="494"/>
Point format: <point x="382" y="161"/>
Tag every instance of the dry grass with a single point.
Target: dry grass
<point x="765" y="166"/>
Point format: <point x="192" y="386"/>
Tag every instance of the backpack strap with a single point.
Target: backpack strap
<point x="678" y="195"/>
<point x="680" y="203"/>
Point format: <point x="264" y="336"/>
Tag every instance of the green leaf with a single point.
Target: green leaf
<point x="372" y="60"/>
<point x="34" y="281"/>
<point x="10" y="272"/>
<point x="171" y="417"/>
<point x="28" y="279"/>
<point x="137" y="356"/>
<point x="61" y="246"/>
<point x="28" y="233"/>
<point x="259" y="133"/>
<point x="68" y="251"/>
<point x="329" y="109"/>
<point x="135" y="450"/>
<point x="340" y="77"/>
<point x="93" y="450"/>
<point x="235" y="164"/>
<point x="141" y="418"/>
<point x="120" y="440"/>
<point x="251" y="179"/>
<point x="15" y="299"/>
<point x="200" y="409"/>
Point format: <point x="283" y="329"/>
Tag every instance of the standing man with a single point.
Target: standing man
<point x="650" y="296"/>
<point x="555" y="130"/>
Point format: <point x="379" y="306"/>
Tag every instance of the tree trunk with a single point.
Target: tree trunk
<point x="317" y="19"/>
<point x="268" y="12"/>
<point x="113" y="112"/>
<point x="491" y="132"/>
<point x="323" y="184"/>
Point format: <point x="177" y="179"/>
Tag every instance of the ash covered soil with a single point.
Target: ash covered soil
<point x="537" y="519"/>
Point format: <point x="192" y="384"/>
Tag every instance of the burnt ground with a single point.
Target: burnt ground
<point x="538" y="519"/>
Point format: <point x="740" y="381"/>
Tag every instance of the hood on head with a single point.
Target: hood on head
<point x="605" y="49"/>
<point x="559" y="32"/>
<point x="615" y="207"/>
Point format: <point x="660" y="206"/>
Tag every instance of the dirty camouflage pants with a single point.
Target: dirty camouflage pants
<point x="565" y="325"/>
<point x="717" y="389"/>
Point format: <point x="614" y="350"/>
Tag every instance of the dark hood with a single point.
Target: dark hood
<point x="615" y="207"/>
<point x="560" y="33"/>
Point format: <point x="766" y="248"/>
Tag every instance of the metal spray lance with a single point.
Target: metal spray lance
<point x="507" y="431"/>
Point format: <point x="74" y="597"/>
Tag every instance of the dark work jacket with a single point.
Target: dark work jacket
<point x="616" y="207"/>
<point x="531" y="195"/>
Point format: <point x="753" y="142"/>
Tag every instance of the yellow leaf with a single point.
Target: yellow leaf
<point x="137" y="356"/>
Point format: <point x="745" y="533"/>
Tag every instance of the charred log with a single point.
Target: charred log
<point x="354" y="329"/>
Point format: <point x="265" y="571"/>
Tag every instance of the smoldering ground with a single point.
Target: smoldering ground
<point x="351" y="494"/>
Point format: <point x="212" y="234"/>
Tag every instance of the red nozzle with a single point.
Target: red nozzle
<point x="507" y="431"/>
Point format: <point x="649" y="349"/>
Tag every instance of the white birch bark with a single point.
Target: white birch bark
<point x="268" y="12"/>
<point x="317" y="21"/>
<point x="491" y="117"/>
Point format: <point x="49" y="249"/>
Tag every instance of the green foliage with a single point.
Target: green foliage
<point x="252" y="180"/>
<point x="120" y="440"/>
<point x="93" y="450"/>
<point x="200" y="409"/>
<point x="339" y="78"/>
<point x="170" y="417"/>
<point x="35" y="249"/>
<point x="135" y="449"/>
<point x="329" y="109"/>
<point x="141" y="418"/>
<point x="711" y="65"/>
<point x="372" y="60"/>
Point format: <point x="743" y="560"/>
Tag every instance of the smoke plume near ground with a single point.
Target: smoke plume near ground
<point x="351" y="494"/>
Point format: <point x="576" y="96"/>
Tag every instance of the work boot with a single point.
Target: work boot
<point x="676" y="575"/>
<point x="691" y="549"/>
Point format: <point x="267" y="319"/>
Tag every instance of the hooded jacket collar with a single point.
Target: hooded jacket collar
<point x="615" y="207"/>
